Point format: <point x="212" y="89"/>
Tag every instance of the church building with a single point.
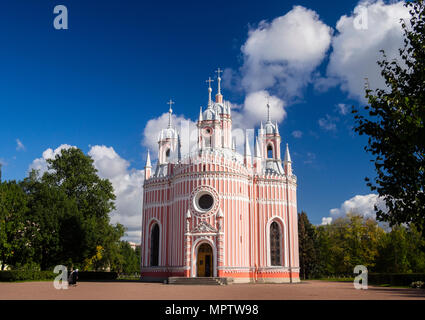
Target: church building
<point x="215" y="212"/>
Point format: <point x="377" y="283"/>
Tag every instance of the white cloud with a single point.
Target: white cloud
<point x="297" y="134"/>
<point x="356" y="51"/>
<point x="310" y="158"/>
<point x="342" y="109"/>
<point x="128" y="188"/>
<point x="40" y="164"/>
<point x="328" y="123"/>
<point x="186" y="127"/>
<point x="326" y="220"/>
<point x="283" y="54"/>
<point x="2" y="162"/>
<point x="19" y="145"/>
<point x="359" y="204"/>
<point x="254" y="110"/>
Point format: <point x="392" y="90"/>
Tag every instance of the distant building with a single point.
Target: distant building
<point x="133" y="245"/>
<point x="219" y="213"/>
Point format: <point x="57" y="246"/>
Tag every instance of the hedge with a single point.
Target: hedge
<point x="24" y="275"/>
<point x="395" y="279"/>
<point x="96" y="276"/>
<point x="32" y="275"/>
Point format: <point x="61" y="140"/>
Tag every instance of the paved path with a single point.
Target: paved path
<point x="306" y="290"/>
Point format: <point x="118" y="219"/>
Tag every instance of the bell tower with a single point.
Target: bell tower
<point x="215" y="123"/>
<point x="168" y="140"/>
<point x="269" y="138"/>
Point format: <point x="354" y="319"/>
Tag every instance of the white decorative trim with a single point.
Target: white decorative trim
<point x="204" y="189"/>
<point x="204" y="228"/>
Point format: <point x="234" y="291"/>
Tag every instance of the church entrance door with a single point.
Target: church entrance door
<point x="205" y="261"/>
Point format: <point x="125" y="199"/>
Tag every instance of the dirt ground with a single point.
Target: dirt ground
<point x="306" y="290"/>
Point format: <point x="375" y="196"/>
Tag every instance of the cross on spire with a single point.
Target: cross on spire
<point x="171" y="102"/>
<point x="218" y="71"/>
<point x="268" y="109"/>
<point x="209" y="90"/>
<point x="209" y="81"/>
<point x="170" y="111"/>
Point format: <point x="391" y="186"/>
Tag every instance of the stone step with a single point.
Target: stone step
<point x="200" y="280"/>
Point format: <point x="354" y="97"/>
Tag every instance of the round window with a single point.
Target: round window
<point x="205" y="201"/>
<point x="207" y="131"/>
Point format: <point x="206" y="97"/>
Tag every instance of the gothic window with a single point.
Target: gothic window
<point x="207" y="136"/>
<point x="275" y="250"/>
<point x="208" y="142"/>
<point x="167" y="155"/>
<point x="269" y="151"/>
<point x="155" y="245"/>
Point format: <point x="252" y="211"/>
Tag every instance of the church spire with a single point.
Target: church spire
<point x="170" y="111"/>
<point x="268" y="112"/>
<point x="148" y="161"/>
<point x="200" y="114"/>
<point x="287" y="155"/>
<point x="247" y="152"/>
<point x="219" y="97"/>
<point x="148" y="167"/>
<point x="247" y="148"/>
<point x="209" y="91"/>
<point x="257" y="153"/>
<point x="287" y="162"/>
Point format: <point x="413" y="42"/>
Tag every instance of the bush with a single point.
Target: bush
<point x="25" y="275"/>
<point x="418" y="284"/>
<point x="395" y="279"/>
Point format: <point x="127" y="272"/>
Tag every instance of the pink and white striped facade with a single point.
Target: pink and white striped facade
<point x="248" y="192"/>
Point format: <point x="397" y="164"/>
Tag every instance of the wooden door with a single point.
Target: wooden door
<point x="205" y="261"/>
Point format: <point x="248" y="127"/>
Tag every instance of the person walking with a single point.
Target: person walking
<point x="70" y="277"/>
<point x="75" y="277"/>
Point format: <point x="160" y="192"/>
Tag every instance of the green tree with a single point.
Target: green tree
<point x="347" y="242"/>
<point x="131" y="259"/>
<point x="86" y="226"/>
<point x="307" y="248"/>
<point x="401" y="251"/>
<point x="112" y="258"/>
<point x="49" y="209"/>
<point x="15" y="228"/>
<point x="395" y="127"/>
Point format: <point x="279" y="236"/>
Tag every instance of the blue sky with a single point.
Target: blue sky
<point x="100" y="82"/>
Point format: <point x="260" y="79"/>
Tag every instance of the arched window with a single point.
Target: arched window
<point x="155" y="245"/>
<point x="275" y="250"/>
<point x="270" y="151"/>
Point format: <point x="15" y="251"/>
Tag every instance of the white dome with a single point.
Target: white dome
<point x="169" y="133"/>
<point x="210" y="114"/>
<point x="270" y="128"/>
